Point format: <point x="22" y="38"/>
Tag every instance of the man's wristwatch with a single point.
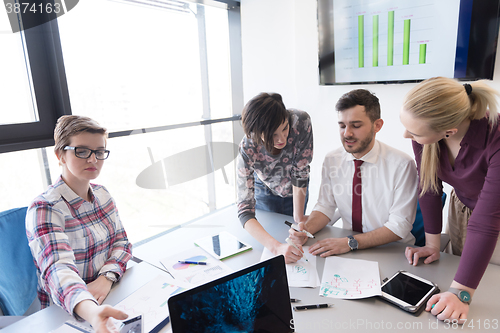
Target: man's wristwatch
<point x="352" y="242"/>
<point x="111" y="276"/>
<point x="463" y="295"/>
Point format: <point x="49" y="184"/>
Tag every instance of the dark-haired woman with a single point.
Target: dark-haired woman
<point x="273" y="167"/>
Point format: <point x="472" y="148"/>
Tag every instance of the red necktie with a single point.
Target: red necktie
<point x="356" y="197"/>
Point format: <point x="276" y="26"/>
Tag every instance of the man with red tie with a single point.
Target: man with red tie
<point x="373" y="186"/>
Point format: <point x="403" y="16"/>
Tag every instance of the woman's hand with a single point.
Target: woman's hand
<point x="290" y="253"/>
<point x="102" y="322"/>
<point x="448" y="306"/>
<point x="99" y="316"/>
<point x="415" y="253"/>
<point x="99" y="288"/>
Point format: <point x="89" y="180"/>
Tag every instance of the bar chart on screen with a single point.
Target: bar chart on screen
<point x="375" y="41"/>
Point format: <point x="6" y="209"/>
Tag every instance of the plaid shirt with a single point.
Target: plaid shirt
<point x="74" y="241"/>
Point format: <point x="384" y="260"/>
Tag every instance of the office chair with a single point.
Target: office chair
<point x="18" y="278"/>
<point x="418" y="228"/>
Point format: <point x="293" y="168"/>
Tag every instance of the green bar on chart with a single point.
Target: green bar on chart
<point x="406" y="43"/>
<point x="422" y="54"/>
<point x="390" y="40"/>
<point x="361" y="37"/>
<point x="375" y="41"/>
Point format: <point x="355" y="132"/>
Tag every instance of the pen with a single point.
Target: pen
<point x="192" y="262"/>
<point x="294" y="227"/>
<point x="289" y="241"/>
<point x="313" y="306"/>
<point x="294" y="300"/>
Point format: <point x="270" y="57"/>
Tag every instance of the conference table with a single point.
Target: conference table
<point x="361" y="315"/>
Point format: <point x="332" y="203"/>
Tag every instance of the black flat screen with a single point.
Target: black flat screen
<point x="407" y="288"/>
<point x="255" y="299"/>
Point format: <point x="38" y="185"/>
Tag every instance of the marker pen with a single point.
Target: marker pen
<point x="192" y="262"/>
<point x="311" y="307"/>
<point x="296" y="228"/>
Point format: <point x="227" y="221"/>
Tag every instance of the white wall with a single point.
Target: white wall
<point x="280" y="54"/>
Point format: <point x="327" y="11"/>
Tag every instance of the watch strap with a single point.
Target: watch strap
<point x="463" y="295"/>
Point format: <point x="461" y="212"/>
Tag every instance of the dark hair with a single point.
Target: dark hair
<point x="360" y="97"/>
<point x="262" y="116"/>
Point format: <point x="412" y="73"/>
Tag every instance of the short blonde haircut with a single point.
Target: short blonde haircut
<point x="69" y="126"/>
<point x="444" y="104"/>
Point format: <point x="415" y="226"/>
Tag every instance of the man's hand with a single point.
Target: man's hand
<point x="99" y="288"/>
<point x="330" y="246"/>
<point x="297" y="237"/>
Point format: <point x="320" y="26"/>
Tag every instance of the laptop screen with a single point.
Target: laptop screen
<point x="254" y="299"/>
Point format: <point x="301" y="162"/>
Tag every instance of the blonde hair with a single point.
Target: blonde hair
<point x="444" y="104"/>
<point x="69" y="126"/>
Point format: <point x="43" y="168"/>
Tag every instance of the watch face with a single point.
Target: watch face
<point x="464" y="296"/>
<point x="111" y="276"/>
<point x="353" y="243"/>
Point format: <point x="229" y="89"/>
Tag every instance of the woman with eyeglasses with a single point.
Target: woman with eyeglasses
<point x="273" y="167"/>
<point x="456" y="139"/>
<point x="74" y="230"/>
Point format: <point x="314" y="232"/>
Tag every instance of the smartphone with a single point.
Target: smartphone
<point x="408" y="291"/>
<point x="222" y="245"/>
<point x="133" y="325"/>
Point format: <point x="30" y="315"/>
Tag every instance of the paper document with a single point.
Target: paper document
<point x="301" y="273"/>
<point x="350" y="278"/>
<point x="151" y="300"/>
<point x="195" y="274"/>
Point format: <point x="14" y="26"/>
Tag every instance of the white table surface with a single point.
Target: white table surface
<point x="365" y="315"/>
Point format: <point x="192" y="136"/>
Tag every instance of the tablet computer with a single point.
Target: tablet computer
<point x="132" y="325"/>
<point x="408" y="291"/>
<point x="222" y="245"/>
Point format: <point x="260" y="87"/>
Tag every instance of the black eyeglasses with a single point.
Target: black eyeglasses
<point x="80" y="152"/>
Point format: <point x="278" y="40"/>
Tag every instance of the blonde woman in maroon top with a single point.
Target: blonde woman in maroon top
<point x="456" y="140"/>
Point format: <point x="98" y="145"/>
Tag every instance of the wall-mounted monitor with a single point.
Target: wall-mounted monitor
<point x="394" y="41"/>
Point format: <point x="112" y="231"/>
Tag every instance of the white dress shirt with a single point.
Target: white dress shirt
<point x="389" y="189"/>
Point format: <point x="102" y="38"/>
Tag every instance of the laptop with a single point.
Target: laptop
<point x="255" y="299"/>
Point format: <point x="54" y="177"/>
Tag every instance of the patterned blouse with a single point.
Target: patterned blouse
<point x="277" y="172"/>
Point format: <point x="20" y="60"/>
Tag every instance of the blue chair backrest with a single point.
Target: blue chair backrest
<point x="418" y="225"/>
<point x="18" y="278"/>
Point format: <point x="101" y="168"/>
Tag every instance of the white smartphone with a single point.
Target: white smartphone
<point x="408" y="291"/>
<point x="132" y="325"/>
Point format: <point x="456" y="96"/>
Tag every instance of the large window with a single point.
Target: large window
<point x="160" y="75"/>
<point x="16" y="100"/>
